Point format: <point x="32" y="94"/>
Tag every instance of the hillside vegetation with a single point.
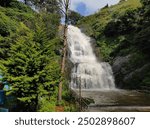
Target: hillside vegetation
<point x="122" y="38"/>
<point x="30" y="56"/>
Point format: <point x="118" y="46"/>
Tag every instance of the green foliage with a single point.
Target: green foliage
<point x="5" y="46"/>
<point x="51" y="24"/>
<point x="5" y="3"/>
<point x="47" y="104"/>
<point x="145" y="2"/>
<point x="142" y="41"/>
<point x="121" y="25"/>
<point x="29" y="60"/>
<point x="20" y="6"/>
<point x="74" y="17"/>
<point x="48" y="6"/>
<point x="99" y="20"/>
<point x="7" y="25"/>
<point x="70" y="108"/>
<point x="105" y="48"/>
<point x="109" y="24"/>
<point x="28" y="70"/>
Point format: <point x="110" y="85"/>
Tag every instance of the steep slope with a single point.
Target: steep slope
<point x="121" y="34"/>
<point x="94" y="25"/>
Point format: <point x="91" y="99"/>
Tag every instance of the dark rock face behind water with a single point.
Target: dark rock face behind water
<point x="128" y="77"/>
<point x="118" y="69"/>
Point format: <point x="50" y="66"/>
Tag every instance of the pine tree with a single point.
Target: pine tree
<point x="32" y="68"/>
<point x="49" y="6"/>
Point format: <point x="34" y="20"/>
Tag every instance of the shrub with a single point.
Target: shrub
<point x="6" y="25"/>
<point x="20" y="6"/>
<point x="142" y="41"/>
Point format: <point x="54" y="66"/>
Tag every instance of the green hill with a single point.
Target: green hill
<point x="121" y="33"/>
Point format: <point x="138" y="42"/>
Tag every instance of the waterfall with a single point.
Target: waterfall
<point x="87" y="72"/>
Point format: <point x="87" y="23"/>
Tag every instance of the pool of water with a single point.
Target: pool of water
<point x="117" y="100"/>
<point x="118" y="97"/>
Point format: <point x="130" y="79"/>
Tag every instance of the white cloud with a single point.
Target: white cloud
<point x="92" y="5"/>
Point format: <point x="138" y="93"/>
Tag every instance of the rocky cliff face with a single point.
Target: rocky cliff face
<point x="119" y="71"/>
<point x="129" y="77"/>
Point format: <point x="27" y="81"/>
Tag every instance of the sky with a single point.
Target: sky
<point x="87" y="7"/>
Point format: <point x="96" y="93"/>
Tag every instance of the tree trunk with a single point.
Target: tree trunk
<point x="66" y="4"/>
<point x="63" y="63"/>
<point x="25" y="1"/>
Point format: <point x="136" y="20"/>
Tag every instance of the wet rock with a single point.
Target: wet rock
<point x="119" y="62"/>
<point x="127" y="76"/>
<point x="136" y="76"/>
<point x="119" y="69"/>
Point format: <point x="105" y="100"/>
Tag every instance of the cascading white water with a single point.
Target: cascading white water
<point x="87" y="71"/>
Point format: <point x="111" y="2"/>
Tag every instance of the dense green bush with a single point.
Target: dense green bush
<point x="145" y="2"/>
<point x="142" y="41"/>
<point x="20" y="6"/>
<point x="122" y="25"/>
<point x="28" y="56"/>
<point x="5" y="3"/>
<point x="74" y="17"/>
<point x="7" y="25"/>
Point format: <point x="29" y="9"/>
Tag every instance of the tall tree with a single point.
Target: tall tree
<point x="65" y="10"/>
<point x="26" y="1"/>
<point x="74" y="17"/>
<point x="146" y="2"/>
<point x="50" y="6"/>
<point x="31" y="64"/>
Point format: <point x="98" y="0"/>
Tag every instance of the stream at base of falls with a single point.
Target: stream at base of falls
<point x="117" y="100"/>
